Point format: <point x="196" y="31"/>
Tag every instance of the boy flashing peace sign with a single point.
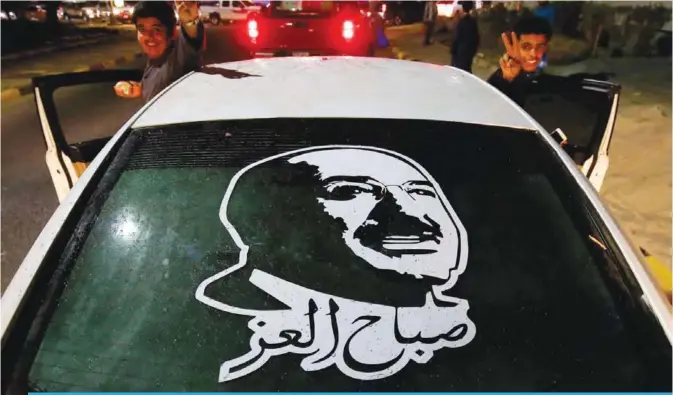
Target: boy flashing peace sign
<point x="524" y="50"/>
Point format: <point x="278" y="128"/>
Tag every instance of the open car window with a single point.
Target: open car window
<point x="576" y="108"/>
<point x="341" y="254"/>
<point x="72" y="145"/>
<point x="584" y="108"/>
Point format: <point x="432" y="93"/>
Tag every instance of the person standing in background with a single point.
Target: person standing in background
<point x="465" y="40"/>
<point x="171" y="53"/>
<point x="545" y="11"/>
<point x="378" y="24"/>
<point x="429" y="19"/>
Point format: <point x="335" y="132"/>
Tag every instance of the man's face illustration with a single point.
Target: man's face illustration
<point x="392" y="214"/>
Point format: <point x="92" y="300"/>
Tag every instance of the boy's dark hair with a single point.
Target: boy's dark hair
<point x="533" y="25"/>
<point x="467" y="5"/>
<point x="161" y="10"/>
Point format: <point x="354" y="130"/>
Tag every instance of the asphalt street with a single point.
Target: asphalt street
<point x="86" y="112"/>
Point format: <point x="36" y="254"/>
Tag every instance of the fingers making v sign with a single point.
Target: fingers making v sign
<point x="510" y="63"/>
<point x="188" y="11"/>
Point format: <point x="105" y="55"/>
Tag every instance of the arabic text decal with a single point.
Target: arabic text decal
<point x="393" y="217"/>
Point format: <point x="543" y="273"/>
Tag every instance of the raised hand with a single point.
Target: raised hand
<point x="188" y="11"/>
<point x="510" y="63"/>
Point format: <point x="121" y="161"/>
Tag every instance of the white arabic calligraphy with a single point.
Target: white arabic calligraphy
<point x="365" y="341"/>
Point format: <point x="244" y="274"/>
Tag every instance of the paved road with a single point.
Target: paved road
<point x="28" y="196"/>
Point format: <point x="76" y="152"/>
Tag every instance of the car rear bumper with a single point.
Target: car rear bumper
<point x="272" y="53"/>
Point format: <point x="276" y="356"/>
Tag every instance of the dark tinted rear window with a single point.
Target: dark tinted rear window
<point x="298" y="8"/>
<point x="347" y="255"/>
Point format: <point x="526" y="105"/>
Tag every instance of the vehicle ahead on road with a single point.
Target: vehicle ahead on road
<point x="86" y="10"/>
<point x="124" y="14"/>
<point x="297" y="225"/>
<point x="307" y="28"/>
<point x="35" y="12"/>
<point x="226" y="10"/>
<point x="402" y="12"/>
<point x="663" y="40"/>
<point x="7" y="15"/>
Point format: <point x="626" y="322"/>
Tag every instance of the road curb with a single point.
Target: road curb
<point x="401" y="55"/>
<point x="97" y="38"/>
<point x="14" y="93"/>
<point x="414" y="27"/>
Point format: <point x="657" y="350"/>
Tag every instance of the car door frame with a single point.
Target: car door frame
<point x="67" y="162"/>
<point x="596" y="164"/>
<point x="596" y="170"/>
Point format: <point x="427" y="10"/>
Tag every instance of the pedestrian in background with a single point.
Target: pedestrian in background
<point x="465" y="40"/>
<point x="546" y="11"/>
<point x="429" y="19"/>
<point x="170" y="53"/>
<point x="378" y="25"/>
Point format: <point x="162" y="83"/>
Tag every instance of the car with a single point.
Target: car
<point x="124" y="12"/>
<point x="397" y="13"/>
<point x="7" y="15"/>
<point x="662" y="40"/>
<point x="298" y="225"/>
<point x="35" y="12"/>
<point x="309" y="28"/>
<point x="84" y="10"/>
<point x="226" y="10"/>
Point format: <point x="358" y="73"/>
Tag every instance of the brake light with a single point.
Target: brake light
<point x="252" y="29"/>
<point x="348" y="30"/>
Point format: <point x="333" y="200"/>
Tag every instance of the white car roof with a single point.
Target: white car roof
<point x="333" y="87"/>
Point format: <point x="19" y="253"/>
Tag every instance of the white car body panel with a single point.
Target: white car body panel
<point x="597" y="177"/>
<point x="358" y="88"/>
<point x="361" y="88"/>
<point x="52" y="155"/>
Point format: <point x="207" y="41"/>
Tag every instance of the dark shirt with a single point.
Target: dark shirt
<point x="518" y="87"/>
<point x="182" y="57"/>
<point x="465" y="39"/>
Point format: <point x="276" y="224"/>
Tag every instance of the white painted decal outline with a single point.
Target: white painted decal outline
<point x="365" y="341"/>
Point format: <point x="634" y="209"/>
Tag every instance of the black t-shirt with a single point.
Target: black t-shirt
<point x="466" y="38"/>
<point x="518" y="87"/>
<point x="181" y="58"/>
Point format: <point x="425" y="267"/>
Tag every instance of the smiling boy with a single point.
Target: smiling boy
<point x="525" y="49"/>
<point x="171" y="53"/>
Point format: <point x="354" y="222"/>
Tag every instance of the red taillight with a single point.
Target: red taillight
<point x="252" y="29"/>
<point x="348" y="30"/>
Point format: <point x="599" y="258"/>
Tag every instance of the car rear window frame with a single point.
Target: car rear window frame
<point x="49" y="283"/>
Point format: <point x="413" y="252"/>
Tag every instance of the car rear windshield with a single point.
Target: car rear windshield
<point x="344" y="255"/>
<point x="298" y="8"/>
